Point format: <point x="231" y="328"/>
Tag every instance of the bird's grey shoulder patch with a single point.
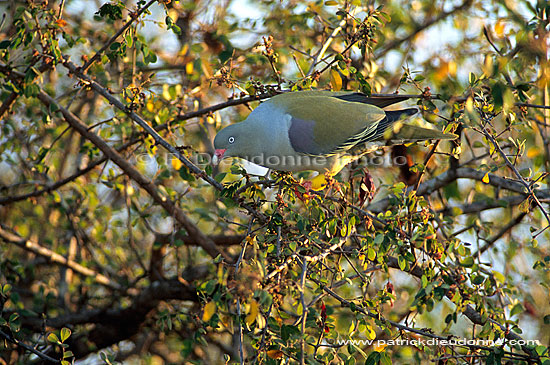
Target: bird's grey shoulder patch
<point x="301" y="136"/>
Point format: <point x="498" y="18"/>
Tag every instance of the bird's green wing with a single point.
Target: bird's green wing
<point x="323" y="124"/>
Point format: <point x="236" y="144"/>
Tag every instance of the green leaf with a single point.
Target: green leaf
<point x="371" y="254"/>
<point x="52" y="337"/>
<point x="497" y="92"/>
<point x="219" y="177"/>
<point x="472" y="78"/>
<point x="478" y="279"/>
<point x="467" y="262"/>
<point x="129" y="40"/>
<point x="378" y="239"/>
<point x="518" y="308"/>
<point x="288" y="331"/>
<point x="385" y="359"/>
<point x="402" y="263"/>
<point x="111" y="11"/>
<point x="6" y="289"/>
<point x="65" y="333"/>
<point x="499" y="277"/>
<point x="373" y="358"/>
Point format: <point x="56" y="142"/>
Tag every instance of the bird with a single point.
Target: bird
<point x="319" y="130"/>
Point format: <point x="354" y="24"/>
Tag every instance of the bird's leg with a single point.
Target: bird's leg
<point x="307" y="184"/>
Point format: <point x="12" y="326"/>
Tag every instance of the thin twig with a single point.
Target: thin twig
<point x="319" y="55"/>
<point x="489" y="242"/>
<point x="518" y="175"/>
<point x="240" y="333"/>
<point x="37" y="249"/>
<point x="28" y="348"/>
<point x="134" y="16"/>
<point x="153" y="133"/>
<point x="304" y="311"/>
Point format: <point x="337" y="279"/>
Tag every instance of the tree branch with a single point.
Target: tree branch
<point x="119" y="323"/>
<point x="39" y="250"/>
<point x="135" y="175"/>
<point x="153" y="133"/>
<point x="430" y="186"/>
<point x="29" y="348"/>
<point x="489" y="242"/>
<point x="469" y="311"/>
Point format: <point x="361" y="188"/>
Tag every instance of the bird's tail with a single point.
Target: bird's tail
<point x="407" y="133"/>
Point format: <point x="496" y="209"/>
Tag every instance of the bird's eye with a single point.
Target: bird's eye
<point x="231" y="139"/>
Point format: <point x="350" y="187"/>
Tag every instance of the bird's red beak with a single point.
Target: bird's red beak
<point x="218" y="155"/>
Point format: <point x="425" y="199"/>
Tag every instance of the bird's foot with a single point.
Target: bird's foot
<point x="303" y="195"/>
<point x="307" y="185"/>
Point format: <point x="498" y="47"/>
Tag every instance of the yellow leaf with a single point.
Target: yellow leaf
<point x="61" y="22"/>
<point x="209" y="310"/>
<point x="486" y="178"/>
<point x="174" y="14"/>
<point x="525" y="206"/>
<point x="151" y="146"/>
<point x="275" y="354"/>
<point x="533" y="152"/>
<point x="379" y="347"/>
<point x="185" y="48"/>
<point x="300" y="309"/>
<point x="335" y="80"/>
<point x="176" y="163"/>
<point x="442" y="71"/>
<point x="166" y="92"/>
<point x="492" y="148"/>
<point x="452" y="68"/>
<point x="312" y="7"/>
<point x="369" y="332"/>
<point x="252" y="312"/>
<point x="189" y="68"/>
<point x="499" y="28"/>
<point x="260" y="322"/>
<point x="488" y="66"/>
<point x="470" y="105"/>
<point x="150" y="105"/>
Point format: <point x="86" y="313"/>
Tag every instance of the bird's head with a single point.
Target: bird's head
<point x="233" y="141"/>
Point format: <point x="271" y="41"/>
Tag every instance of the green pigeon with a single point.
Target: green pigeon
<point x="318" y="130"/>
